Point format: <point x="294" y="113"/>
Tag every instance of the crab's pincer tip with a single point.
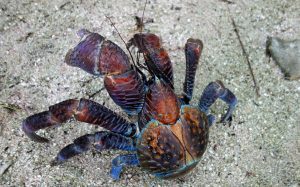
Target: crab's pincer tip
<point x="32" y="135"/>
<point x="59" y="159"/>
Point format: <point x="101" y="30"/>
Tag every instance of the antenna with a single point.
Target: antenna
<point x="140" y="20"/>
<point x="142" y="27"/>
<point x="134" y="63"/>
<point x="112" y="23"/>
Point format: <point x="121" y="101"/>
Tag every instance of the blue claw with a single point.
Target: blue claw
<point x="211" y="93"/>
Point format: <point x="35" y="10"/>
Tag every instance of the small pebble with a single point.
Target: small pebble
<point x="287" y="56"/>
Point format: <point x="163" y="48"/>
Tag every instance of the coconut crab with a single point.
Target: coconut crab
<point x="170" y="135"/>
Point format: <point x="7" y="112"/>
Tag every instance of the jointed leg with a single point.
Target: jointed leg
<point x="100" y="141"/>
<point x="83" y="110"/>
<point x="211" y="93"/>
<point x="193" y="49"/>
<point x="120" y="161"/>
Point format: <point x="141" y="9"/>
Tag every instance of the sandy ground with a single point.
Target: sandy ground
<point x="260" y="148"/>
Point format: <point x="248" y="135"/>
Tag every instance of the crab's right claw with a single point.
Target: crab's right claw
<point x="211" y="93"/>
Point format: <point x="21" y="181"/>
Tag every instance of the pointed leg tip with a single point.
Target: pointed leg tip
<point x="115" y="172"/>
<point x="36" y="138"/>
<point x="115" y="177"/>
<point x="31" y="134"/>
<point x="55" y="162"/>
<point x="226" y="120"/>
<point x="41" y="140"/>
<point x="211" y="119"/>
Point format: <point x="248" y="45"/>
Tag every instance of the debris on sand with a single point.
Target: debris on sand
<point x="4" y="167"/>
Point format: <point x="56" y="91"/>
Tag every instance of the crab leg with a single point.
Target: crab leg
<point x="211" y="93"/>
<point x="100" y="141"/>
<point x="120" y="161"/>
<point x="193" y="49"/>
<point x="83" y="110"/>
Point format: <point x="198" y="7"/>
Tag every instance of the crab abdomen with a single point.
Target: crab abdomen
<point x="169" y="151"/>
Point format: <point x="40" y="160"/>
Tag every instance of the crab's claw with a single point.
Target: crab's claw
<point x="211" y="93"/>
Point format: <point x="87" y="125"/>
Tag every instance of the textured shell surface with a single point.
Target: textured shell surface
<point x="169" y="151"/>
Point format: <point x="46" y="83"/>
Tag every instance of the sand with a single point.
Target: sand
<point x="260" y="148"/>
